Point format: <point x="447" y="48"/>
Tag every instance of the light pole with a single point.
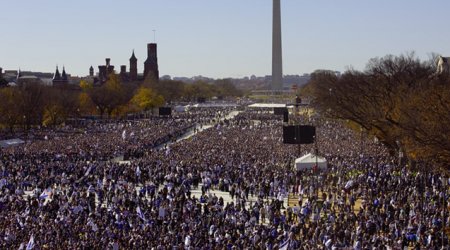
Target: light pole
<point x="361" y="141"/>
<point x="444" y="201"/>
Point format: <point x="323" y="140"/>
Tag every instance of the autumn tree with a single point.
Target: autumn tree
<point x="9" y="112"/>
<point x="60" y="104"/>
<point x="390" y="100"/>
<point x="146" y="99"/>
<point x="108" y="96"/>
<point x="31" y="101"/>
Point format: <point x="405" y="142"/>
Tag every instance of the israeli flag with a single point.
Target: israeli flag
<point x="30" y="244"/>
<point x="284" y="245"/>
<point x="124" y="134"/>
<point x="88" y="170"/>
<point x="140" y="213"/>
<point x="138" y="171"/>
<point x="45" y="194"/>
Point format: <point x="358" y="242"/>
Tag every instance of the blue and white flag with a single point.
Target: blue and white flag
<point x="138" y="171"/>
<point x="284" y="245"/>
<point x="30" y="244"/>
<point x="20" y="222"/>
<point x="88" y="170"/>
<point x="140" y="213"/>
<point x="124" y="135"/>
<point x="3" y="182"/>
<point x="47" y="192"/>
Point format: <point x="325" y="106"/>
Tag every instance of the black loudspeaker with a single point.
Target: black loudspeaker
<point x="165" y="111"/>
<point x="307" y="134"/>
<point x="299" y="134"/>
<point x="279" y="111"/>
<point x="289" y="135"/>
<point x="286" y="116"/>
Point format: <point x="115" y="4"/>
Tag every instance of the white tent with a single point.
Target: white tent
<point x="180" y="108"/>
<point x="308" y="161"/>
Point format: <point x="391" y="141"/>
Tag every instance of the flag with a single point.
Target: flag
<point x="30" y="244"/>
<point x="284" y="245"/>
<point x="44" y="195"/>
<point x="93" y="225"/>
<point x="138" y="171"/>
<point x="88" y="170"/>
<point x="140" y="213"/>
<point x="349" y="184"/>
<point x="20" y="222"/>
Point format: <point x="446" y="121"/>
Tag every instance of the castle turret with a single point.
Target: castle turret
<point x="91" y="71"/>
<point x="64" y="75"/>
<point x="56" y="76"/>
<point x="133" y="67"/>
<point x="60" y="78"/>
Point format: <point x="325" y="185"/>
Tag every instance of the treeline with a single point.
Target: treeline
<point x="33" y="104"/>
<point x="398" y="99"/>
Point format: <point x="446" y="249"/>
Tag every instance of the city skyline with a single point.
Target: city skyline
<point x="217" y="39"/>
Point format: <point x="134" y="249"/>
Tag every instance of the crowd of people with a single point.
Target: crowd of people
<point x="363" y="200"/>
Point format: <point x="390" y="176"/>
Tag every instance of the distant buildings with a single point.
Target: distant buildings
<point x="151" y="64"/>
<point x="150" y="68"/>
<point x="59" y="79"/>
<point x="104" y="71"/>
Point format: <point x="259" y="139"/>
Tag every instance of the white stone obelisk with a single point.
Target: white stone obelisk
<point x="277" y="62"/>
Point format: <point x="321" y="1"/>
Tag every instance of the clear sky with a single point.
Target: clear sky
<point x="217" y="38"/>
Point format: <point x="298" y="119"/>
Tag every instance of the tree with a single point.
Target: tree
<point x="198" y="89"/>
<point x="397" y="99"/>
<point x="108" y="96"/>
<point x="60" y="104"/>
<point x="146" y="99"/>
<point x="224" y="88"/>
<point x="31" y="101"/>
<point x="3" y="82"/>
<point x="9" y="112"/>
<point x="85" y="86"/>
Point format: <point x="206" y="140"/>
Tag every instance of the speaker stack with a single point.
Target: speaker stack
<point x="299" y="134"/>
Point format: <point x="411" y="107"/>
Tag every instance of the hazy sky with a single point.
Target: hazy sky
<point x="217" y="38"/>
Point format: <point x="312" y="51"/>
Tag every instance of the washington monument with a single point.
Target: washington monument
<point x="277" y="61"/>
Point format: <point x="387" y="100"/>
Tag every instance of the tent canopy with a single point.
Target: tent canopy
<point x="308" y="161"/>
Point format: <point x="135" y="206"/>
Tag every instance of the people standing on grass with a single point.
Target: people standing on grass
<point x="81" y="200"/>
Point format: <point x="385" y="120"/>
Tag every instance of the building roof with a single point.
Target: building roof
<point x="57" y="76"/>
<point x="64" y="75"/>
<point x="133" y="57"/>
<point x="28" y="77"/>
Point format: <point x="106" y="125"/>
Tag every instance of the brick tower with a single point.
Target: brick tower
<point x="151" y="64"/>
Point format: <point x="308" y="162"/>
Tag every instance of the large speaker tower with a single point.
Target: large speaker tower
<point x="299" y="134"/>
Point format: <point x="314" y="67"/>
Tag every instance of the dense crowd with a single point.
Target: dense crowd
<point x="363" y="200"/>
